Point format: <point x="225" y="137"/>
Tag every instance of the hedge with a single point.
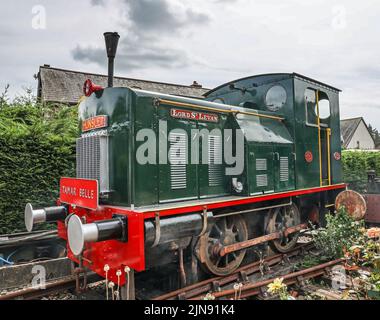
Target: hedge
<point x="37" y="147"/>
<point x="356" y="165"/>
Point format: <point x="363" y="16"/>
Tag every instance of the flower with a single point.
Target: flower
<point x="373" y="233"/>
<point x="209" y="296"/>
<point x="276" y="286"/>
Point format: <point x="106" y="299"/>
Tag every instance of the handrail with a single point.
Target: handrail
<point x="190" y="105"/>
<point x="319" y="140"/>
<point x="328" y="133"/>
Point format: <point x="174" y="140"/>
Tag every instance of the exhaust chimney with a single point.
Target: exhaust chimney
<point x="111" y="39"/>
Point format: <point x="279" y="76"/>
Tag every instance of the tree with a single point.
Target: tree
<point x="376" y="135"/>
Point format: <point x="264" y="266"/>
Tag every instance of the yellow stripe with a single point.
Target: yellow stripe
<point x="319" y="140"/>
<point x="194" y="106"/>
<point x="328" y="133"/>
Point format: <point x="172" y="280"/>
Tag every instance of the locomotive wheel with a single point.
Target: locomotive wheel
<point x="225" y="231"/>
<point x="280" y="219"/>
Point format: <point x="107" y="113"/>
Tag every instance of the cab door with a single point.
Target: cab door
<point x="284" y="168"/>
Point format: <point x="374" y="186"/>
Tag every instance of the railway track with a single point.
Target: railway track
<point x="254" y="289"/>
<point x="243" y="281"/>
<point x="52" y="287"/>
<point x="23" y="247"/>
<point x="248" y="281"/>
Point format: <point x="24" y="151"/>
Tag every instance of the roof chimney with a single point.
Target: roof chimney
<point x="196" y="85"/>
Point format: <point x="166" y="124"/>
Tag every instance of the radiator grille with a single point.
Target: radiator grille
<point x="92" y="159"/>
<point x="215" y="173"/>
<point x="261" y="164"/>
<point x="262" y="180"/>
<point x="177" y="160"/>
<point x="284" y="169"/>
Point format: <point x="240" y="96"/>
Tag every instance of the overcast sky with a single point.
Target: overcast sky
<point x="211" y="41"/>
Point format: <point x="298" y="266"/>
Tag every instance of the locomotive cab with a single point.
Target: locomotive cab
<point x="310" y="110"/>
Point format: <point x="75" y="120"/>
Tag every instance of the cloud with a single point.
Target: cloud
<point x="225" y="1"/>
<point x="211" y="41"/>
<point x="132" y="57"/>
<point x="159" y="15"/>
<point x="150" y="27"/>
<point x="97" y="2"/>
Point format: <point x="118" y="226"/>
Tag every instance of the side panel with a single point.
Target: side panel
<point x="211" y="171"/>
<point x="260" y="169"/>
<point x="284" y="168"/>
<point x="177" y="175"/>
<point x="146" y="166"/>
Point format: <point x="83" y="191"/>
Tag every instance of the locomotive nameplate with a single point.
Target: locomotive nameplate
<point x="194" y="115"/>
<point x="79" y="192"/>
<point x="94" y="123"/>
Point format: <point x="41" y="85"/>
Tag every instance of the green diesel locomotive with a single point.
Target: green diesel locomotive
<point x="202" y="183"/>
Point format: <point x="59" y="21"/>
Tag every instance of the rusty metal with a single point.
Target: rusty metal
<point x="279" y="220"/>
<point x="221" y="233"/>
<point x="207" y="285"/>
<point x="80" y="274"/>
<point x="181" y="268"/>
<point x="353" y="202"/>
<point x="249" y="243"/>
<point x="32" y="293"/>
<point x="243" y="276"/>
<point x="295" y="229"/>
<point x="204" y="226"/>
<point x="253" y="289"/>
<point x="373" y="208"/>
<point x="253" y="242"/>
<point x="313" y="214"/>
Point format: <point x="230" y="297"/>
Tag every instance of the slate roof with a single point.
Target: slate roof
<point x="348" y="128"/>
<point x="65" y="86"/>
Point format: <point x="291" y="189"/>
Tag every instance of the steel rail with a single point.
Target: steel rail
<point x="31" y="293"/>
<point x="253" y="289"/>
<point x="207" y="285"/>
<point x="50" y="233"/>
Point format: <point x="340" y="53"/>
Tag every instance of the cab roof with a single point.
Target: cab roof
<point x="279" y="76"/>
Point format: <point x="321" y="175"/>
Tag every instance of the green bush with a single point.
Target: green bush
<point x="340" y="234"/>
<point x="37" y="147"/>
<point x="355" y="167"/>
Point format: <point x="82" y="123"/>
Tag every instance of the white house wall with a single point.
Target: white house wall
<point x="363" y="136"/>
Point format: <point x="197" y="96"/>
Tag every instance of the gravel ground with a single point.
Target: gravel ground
<point x="95" y="291"/>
